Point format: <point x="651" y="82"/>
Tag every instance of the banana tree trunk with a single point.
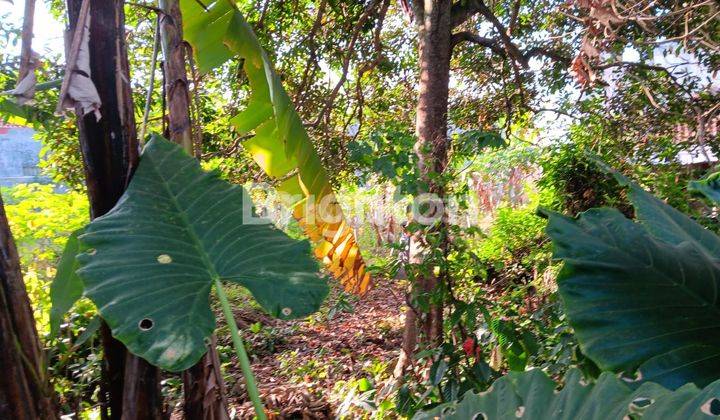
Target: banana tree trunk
<point x="178" y="95"/>
<point x="130" y="386"/>
<point x="203" y="383"/>
<point x="25" y="392"/>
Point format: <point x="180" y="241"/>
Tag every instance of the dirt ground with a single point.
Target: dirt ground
<point x="306" y="369"/>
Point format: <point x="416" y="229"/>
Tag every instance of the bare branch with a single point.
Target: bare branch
<point x="350" y="50"/>
<point x="553" y="55"/>
<point x="512" y="50"/>
<point x="514" y="17"/>
<point x="490" y="43"/>
<point x="497" y="48"/>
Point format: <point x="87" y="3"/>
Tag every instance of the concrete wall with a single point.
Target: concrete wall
<point x="19" y="156"/>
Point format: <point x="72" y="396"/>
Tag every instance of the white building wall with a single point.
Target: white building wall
<point x="19" y="156"/>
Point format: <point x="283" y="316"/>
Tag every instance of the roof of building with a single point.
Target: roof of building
<point x="9" y="125"/>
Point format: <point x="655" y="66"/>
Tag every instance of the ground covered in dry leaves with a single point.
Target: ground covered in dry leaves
<point x="323" y="366"/>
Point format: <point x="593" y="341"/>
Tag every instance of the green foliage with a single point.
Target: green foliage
<point x="386" y="152"/>
<point x="576" y="183"/>
<point x="67" y="287"/>
<point x="277" y="139"/>
<point x="173" y="233"/>
<point x="621" y="278"/>
<point x="516" y="238"/>
<point x="532" y="395"/>
<point x="41" y="221"/>
<point x="470" y="143"/>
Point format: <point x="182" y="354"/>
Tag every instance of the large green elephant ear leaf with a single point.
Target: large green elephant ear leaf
<point x="642" y="295"/>
<point x="709" y="187"/>
<point x="637" y="301"/>
<point x="532" y="395"/>
<point x="149" y="264"/>
<point x="662" y="220"/>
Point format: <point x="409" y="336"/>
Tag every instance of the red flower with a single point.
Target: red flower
<point x="469" y="346"/>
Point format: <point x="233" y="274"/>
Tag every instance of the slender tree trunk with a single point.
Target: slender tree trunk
<point x="27" y="35"/>
<point x="25" y="392"/>
<point x="109" y="146"/>
<point x="178" y="95"/>
<point x="433" y="18"/>
<point x="203" y="384"/>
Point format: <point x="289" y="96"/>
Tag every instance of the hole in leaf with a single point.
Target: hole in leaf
<point x="520" y="411"/>
<point x="164" y="259"/>
<point x="146" y="324"/>
<point x="640" y="403"/>
<point x="286" y="311"/>
<point x="632" y="378"/>
<point x="711" y="407"/>
<point x="479" y="416"/>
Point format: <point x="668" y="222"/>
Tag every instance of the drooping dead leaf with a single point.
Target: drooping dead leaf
<point x="582" y="71"/>
<point x="601" y="21"/>
<point x="605" y="15"/>
<point x="78" y="91"/>
<point x="588" y="48"/>
<point x="24" y="91"/>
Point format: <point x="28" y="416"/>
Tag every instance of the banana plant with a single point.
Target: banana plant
<point x="177" y="233"/>
<point x="217" y="31"/>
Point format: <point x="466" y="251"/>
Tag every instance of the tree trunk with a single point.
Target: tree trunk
<point x="109" y="146"/>
<point x="204" y="388"/>
<point x="203" y="384"/>
<point x="178" y="95"/>
<point x="433" y="19"/>
<point x="27" y="35"/>
<point x="25" y="392"/>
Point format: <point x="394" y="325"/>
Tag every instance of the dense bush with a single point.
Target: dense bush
<point x="515" y="248"/>
<point x="576" y="183"/>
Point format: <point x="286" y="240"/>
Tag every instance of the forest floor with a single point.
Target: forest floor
<point x="328" y="365"/>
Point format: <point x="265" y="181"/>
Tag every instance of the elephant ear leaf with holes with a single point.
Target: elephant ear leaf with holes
<point x="150" y="263"/>
<point x="531" y="395"/>
<point x="642" y="295"/>
<point x="709" y="187"/>
<point x="217" y="32"/>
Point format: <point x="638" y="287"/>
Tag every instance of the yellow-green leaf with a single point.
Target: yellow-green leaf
<point x="217" y="31"/>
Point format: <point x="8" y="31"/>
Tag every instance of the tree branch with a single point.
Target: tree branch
<point x="461" y="11"/>
<point x="553" y="55"/>
<point x="467" y="36"/>
<point x="649" y="67"/>
<point x="512" y="50"/>
<point x="350" y="50"/>
<point x="496" y="47"/>
<point x="418" y="9"/>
